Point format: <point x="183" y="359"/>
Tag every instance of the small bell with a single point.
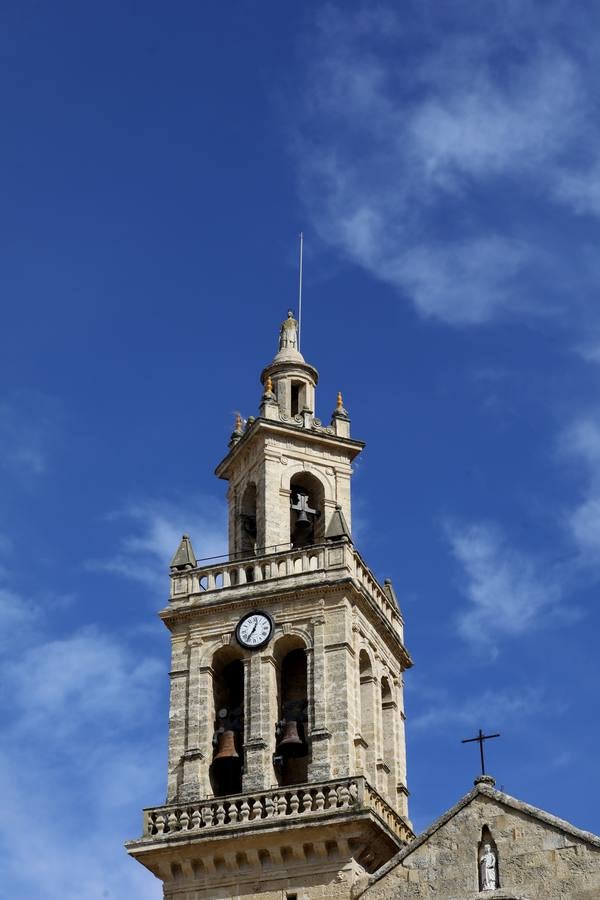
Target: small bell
<point x="291" y="744"/>
<point x="226" y="746"/>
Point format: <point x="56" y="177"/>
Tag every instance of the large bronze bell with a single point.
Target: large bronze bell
<point x="226" y="746"/>
<point x="291" y="744"/>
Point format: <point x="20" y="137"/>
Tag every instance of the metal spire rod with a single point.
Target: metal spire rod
<point x="300" y="292"/>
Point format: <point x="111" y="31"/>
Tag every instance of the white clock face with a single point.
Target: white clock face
<point x="254" y="630"/>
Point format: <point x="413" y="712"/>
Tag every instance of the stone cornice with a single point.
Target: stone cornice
<point x="260" y="426"/>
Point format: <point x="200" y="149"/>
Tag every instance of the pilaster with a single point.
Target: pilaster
<point x="257" y="764"/>
<point x="320" y="735"/>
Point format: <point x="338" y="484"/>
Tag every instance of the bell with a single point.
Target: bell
<point x="291" y="744"/>
<point x="302" y="520"/>
<point x="226" y="746"/>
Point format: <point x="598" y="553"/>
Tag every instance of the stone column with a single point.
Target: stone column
<point x="276" y="503"/>
<point x="369" y="703"/>
<point x="257" y="765"/>
<point x="200" y="716"/>
<point x="177" y="714"/>
<point x="339" y="687"/>
<point x="320" y="766"/>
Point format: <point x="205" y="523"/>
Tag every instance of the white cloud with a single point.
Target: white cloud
<point x="580" y="444"/>
<point x="409" y="141"/>
<point x="29" y="424"/>
<point x="155" y="528"/>
<point x="508" y="592"/>
<point x="17" y="615"/>
<point x="79" y="756"/>
<point x="494" y="707"/>
<point x="63" y="686"/>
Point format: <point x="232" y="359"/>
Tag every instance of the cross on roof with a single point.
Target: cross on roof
<point x="481" y="737"/>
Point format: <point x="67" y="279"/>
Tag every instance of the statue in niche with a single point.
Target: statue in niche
<point x="488" y="869"/>
<point x="288" y="335"/>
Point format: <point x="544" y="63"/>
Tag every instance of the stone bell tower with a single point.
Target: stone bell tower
<point x="287" y="766"/>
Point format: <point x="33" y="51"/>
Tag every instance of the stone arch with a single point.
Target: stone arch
<point x="295" y="468"/>
<point x="307" y="509"/>
<point x="367" y="696"/>
<point x="228" y="704"/>
<point x="248" y="519"/>
<point x="488" y="863"/>
<point x="292" y="675"/>
<point x="295" y="631"/>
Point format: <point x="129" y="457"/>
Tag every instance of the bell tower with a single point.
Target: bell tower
<point x="287" y="764"/>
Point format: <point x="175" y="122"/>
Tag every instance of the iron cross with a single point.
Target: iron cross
<point x="481" y="737"/>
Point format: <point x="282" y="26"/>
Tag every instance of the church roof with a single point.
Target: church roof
<point x="485" y="789"/>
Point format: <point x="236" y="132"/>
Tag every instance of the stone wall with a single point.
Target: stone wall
<point x="540" y="857"/>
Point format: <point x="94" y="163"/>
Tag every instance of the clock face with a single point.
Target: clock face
<point x="254" y="630"/>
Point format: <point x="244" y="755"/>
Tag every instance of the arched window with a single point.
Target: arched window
<point x="228" y="737"/>
<point x="298" y="397"/>
<point x="247" y="543"/>
<point x="307" y="522"/>
<point x="292" y="745"/>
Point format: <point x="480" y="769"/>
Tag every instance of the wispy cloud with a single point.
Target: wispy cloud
<point x="29" y="423"/>
<point x="78" y="716"/>
<point x="438" y="710"/>
<point x="580" y="445"/>
<point x="508" y="591"/>
<point x="63" y="686"/>
<point x="409" y="140"/>
<point x="153" y="530"/>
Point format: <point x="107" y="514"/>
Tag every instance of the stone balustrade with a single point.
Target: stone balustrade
<point x="325" y="798"/>
<point x="322" y="558"/>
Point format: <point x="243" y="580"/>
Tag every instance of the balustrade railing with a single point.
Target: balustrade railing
<point x="297" y="562"/>
<point x="297" y="801"/>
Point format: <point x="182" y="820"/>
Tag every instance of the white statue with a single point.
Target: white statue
<point x="288" y="336"/>
<point x="487" y="869"/>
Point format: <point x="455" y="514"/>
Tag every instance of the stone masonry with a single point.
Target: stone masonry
<point x="310" y="826"/>
<point x="540" y="857"/>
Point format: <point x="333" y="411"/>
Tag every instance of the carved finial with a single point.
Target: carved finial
<point x="339" y="408"/>
<point x="238" y="430"/>
<point x="268" y="395"/>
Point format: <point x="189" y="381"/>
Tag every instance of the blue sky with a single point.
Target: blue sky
<point x="156" y="165"/>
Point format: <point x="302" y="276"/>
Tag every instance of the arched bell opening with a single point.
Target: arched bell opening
<point x="388" y="723"/>
<point x="367" y="712"/>
<point x="291" y="731"/>
<point x="248" y="527"/>
<point x="228" y="735"/>
<point x="307" y="521"/>
<point x="298" y="396"/>
<point x="488" y="868"/>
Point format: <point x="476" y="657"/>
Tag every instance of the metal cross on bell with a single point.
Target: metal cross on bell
<point x="303" y="510"/>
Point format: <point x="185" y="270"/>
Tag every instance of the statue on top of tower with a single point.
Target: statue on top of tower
<point x="288" y="334"/>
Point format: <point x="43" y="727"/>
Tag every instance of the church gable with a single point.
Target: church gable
<point x="493" y="846"/>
